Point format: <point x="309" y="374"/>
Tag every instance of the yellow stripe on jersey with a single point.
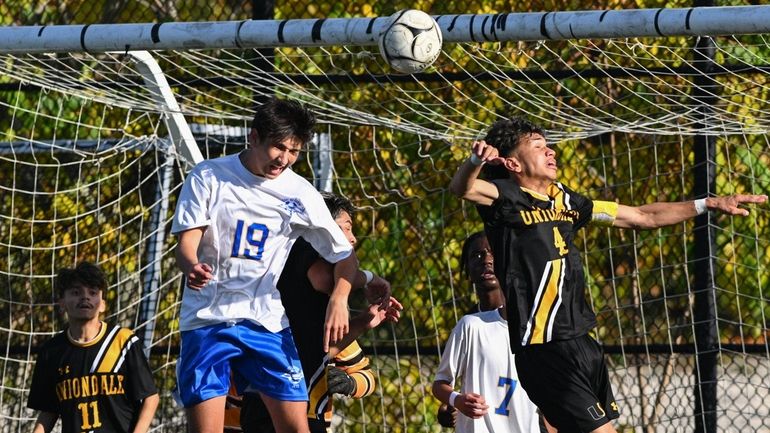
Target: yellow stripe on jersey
<point x="604" y="212"/>
<point x="557" y="195"/>
<point x="349" y="355"/>
<point x="317" y="395"/>
<point x="364" y="381"/>
<point x="112" y="355"/>
<point x="546" y="303"/>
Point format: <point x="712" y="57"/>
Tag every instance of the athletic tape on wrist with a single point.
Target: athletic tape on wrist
<point x="452" y="398"/>
<point x="475" y="160"/>
<point x="700" y="206"/>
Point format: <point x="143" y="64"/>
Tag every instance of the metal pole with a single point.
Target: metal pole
<point x="705" y="92"/>
<point x="265" y="61"/>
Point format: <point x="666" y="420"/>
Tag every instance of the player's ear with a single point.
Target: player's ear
<point x="102" y="306"/>
<point x="253" y="138"/>
<point x="512" y="164"/>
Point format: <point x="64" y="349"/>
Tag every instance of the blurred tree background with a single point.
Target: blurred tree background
<point x="100" y="144"/>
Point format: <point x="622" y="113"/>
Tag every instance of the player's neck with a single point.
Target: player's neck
<point x="538" y="185"/>
<point x="491" y="300"/>
<point x="84" y="331"/>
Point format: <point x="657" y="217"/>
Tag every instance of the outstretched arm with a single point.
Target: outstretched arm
<point x="662" y="214"/>
<point x="466" y="184"/>
<point x="469" y="404"/>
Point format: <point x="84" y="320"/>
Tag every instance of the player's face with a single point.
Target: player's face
<point x="346" y="224"/>
<point x="481" y="265"/>
<point x="270" y="159"/>
<point x="82" y="303"/>
<point x="536" y="159"/>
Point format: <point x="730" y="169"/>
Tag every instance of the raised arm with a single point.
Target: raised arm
<point x="466" y="184"/>
<point x="662" y="214"/>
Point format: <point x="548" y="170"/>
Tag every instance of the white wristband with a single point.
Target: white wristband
<point x="475" y="160"/>
<point x="452" y="398"/>
<point x="369" y="276"/>
<point x="700" y="206"/>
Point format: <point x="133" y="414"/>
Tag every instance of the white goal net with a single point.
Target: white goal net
<point x="88" y="172"/>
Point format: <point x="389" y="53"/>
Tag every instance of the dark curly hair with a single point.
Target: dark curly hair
<point x="277" y="119"/>
<point x="337" y="204"/>
<point x="85" y="273"/>
<point x="505" y="135"/>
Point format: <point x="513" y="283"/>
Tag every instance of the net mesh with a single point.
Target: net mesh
<point x="87" y="173"/>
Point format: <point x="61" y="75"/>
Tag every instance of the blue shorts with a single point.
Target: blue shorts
<point x="262" y="360"/>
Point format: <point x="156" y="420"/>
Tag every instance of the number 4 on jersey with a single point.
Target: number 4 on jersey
<point x="253" y="239"/>
<point x="559" y="243"/>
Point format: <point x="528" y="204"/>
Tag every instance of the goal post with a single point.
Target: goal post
<point x="503" y="27"/>
<point x="93" y="154"/>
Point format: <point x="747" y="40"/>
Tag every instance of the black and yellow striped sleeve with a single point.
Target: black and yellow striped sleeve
<point x="353" y="362"/>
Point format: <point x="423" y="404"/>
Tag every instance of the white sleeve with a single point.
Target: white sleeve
<point x="454" y="358"/>
<point x="321" y="231"/>
<point x="192" y="208"/>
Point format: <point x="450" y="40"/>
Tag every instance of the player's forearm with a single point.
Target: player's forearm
<point x="463" y="180"/>
<point x="365" y="383"/>
<point x="146" y="413"/>
<point x="45" y="422"/>
<point x="663" y="214"/>
<point x="187" y="249"/>
<point x="442" y="390"/>
<point x="344" y="277"/>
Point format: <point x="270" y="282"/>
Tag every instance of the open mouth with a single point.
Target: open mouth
<point x="275" y="169"/>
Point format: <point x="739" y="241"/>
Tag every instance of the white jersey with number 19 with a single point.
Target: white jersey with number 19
<point x="479" y="352"/>
<point x="250" y="225"/>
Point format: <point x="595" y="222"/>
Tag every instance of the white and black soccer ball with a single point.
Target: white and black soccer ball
<point x="411" y="42"/>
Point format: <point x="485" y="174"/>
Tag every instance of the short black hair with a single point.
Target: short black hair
<point x="505" y="135"/>
<point x="85" y="273"/>
<point x="465" y="256"/>
<point x="337" y="204"/>
<point x="277" y="119"/>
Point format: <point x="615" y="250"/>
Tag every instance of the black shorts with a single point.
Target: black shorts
<point x="568" y="381"/>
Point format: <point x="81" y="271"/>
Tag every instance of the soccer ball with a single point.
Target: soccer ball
<point x="411" y="42"/>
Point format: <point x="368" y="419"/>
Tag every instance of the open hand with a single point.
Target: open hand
<point x="730" y="204"/>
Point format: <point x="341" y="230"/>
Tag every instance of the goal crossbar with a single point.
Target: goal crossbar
<point x="528" y="26"/>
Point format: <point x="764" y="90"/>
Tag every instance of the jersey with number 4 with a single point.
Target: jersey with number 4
<point x="94" y="387"/>
<point x="478" y="353"/>
<point x="531" y="236"/>
<point x="250" y="225"/>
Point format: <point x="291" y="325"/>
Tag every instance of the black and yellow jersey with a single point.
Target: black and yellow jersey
<point x="532" y="239"/>
<point x="306" y="310"/>
<point x="96" y="387"/>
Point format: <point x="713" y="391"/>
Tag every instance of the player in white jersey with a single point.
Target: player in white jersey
<point x="236" y="220"/>
<point x="478" y="353"/>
